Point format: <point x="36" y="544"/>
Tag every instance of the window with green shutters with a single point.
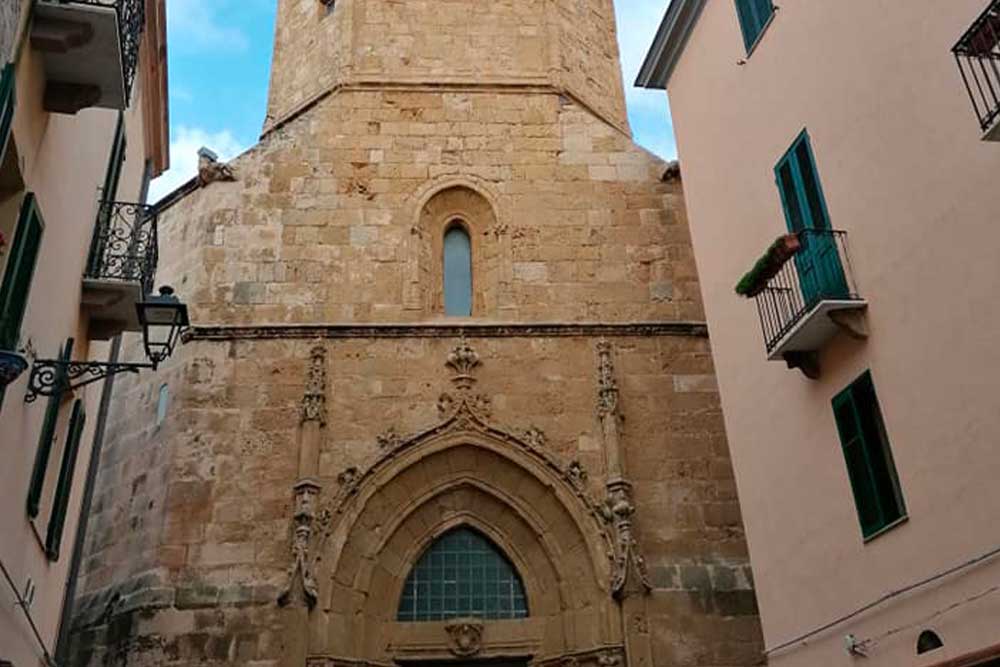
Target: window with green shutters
<point x="45" y="441"/>
<point x="60" y="503"/>
<point x="6" y="107"/>
<point x="754" y="16"/>
<point x="19" y="272"/>
<point x="870" y="467"/>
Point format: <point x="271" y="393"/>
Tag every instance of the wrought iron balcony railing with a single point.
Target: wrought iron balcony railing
<point x="978" y="57"/>
<point x="818" y="271"/>
<point x="125" y="247"/>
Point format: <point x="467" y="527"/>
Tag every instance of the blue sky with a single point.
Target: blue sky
<point x="219" y="59"/>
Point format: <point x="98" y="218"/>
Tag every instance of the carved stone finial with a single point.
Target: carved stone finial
<point x="577" y="474"/>
<point x="463" y="360"/>
<point x="607" y="386"/>
<point x="630" y="572"/>
<point x="466" y="637"/>
<point x="389" y="440"/>
<point x="349" y="480"/>
<point x="535" y="437"/>
<point x="609" y="659"/>
<point x="210" y="170"/>
<point x="302" y="586"/>
<point x="314" y="400"/>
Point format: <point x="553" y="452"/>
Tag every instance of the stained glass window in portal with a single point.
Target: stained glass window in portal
<point x="462" y="574"/>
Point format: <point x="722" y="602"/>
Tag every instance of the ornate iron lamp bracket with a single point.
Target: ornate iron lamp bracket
<point x="50" y="377"/>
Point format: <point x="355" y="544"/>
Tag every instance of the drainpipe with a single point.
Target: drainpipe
<point x="66" y="617"/>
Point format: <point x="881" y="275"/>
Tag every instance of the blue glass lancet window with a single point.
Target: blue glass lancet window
<point x="462" y="575"/>
<point x="457" y="272"/>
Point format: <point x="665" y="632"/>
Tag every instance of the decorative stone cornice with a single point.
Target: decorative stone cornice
<point x="441" y="330"/>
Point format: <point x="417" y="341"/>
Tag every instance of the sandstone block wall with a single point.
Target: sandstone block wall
<point x="566" y="45"/>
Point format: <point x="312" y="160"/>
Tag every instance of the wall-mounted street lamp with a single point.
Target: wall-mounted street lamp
<point x="162" y="317"/>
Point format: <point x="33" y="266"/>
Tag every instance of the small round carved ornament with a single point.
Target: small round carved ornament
<point x="466" y="637"/>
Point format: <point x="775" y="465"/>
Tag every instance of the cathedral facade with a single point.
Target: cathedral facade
<point x="448" y="398"/>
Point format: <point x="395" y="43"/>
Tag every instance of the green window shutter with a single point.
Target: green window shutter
<point x="801" y="191"/>
<point x="116" y="161"/>
<point x="870" y="467"/>
<point x="19" y="272"/>
<point x="811" y="188"/>
<point x="60" y="504"/>
<point x="45" y="440"/>
<point x="753" y="16"/>
<point x="748" y="23"/>
<point x="7" y="101"/>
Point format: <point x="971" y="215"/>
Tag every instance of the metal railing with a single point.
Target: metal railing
<point x="978" y="57"/>
<point x="820" y="270"/>
<point x="131" y="23"/>
<point x="125" y="246"/>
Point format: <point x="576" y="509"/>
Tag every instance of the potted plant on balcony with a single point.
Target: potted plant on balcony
<point x="755" y="280"/>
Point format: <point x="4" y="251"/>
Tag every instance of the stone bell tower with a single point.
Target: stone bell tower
<point x="567" y="46"/>
<point x="448" y="397"/>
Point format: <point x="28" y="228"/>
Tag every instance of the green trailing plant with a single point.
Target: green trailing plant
<point x="778" y="253"/>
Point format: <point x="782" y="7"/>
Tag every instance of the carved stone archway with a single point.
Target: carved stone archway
<point x="464" y="471"/>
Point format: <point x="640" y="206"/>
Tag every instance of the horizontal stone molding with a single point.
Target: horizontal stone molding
<point x="446" y="330"/>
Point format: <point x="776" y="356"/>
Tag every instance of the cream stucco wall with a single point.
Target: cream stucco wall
<point x="905" y="174"/>
<point x="62" y="159"/>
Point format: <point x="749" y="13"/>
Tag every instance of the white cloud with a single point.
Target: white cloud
<point x="194" y="26"/>
<point x="184" y="147"/>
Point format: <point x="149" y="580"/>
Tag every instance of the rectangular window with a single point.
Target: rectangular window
<point x="6" y="106"/>
<point x="754" y="16"/>
<point x="60" y="504"/>
<point x="19" y="272"/>
<point x="45" y="442"/>
<point x="870" y="467"/>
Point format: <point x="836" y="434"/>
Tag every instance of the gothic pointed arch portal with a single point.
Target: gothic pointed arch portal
<point x="464" y="474"/>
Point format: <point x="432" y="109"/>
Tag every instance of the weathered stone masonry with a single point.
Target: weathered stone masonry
<point x="326" y="422"/>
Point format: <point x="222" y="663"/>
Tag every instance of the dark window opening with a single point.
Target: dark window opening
<point x="870" y="466"/>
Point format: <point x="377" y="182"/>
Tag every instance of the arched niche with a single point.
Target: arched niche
<point x="462" y="476"/>
<point x="456" y="205"/>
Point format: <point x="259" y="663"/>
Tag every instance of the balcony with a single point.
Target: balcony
<point x="121" y="268"/>
<point x="90" y="50"/>
<point x="805" y="294"/>
<point x="978" y="57"/>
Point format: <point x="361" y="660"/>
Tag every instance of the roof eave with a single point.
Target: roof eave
<point x="669" y="43"/>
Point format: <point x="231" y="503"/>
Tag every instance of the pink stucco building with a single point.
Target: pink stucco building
<point x="840" y="164"/>
<point x="83" y="130"/>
